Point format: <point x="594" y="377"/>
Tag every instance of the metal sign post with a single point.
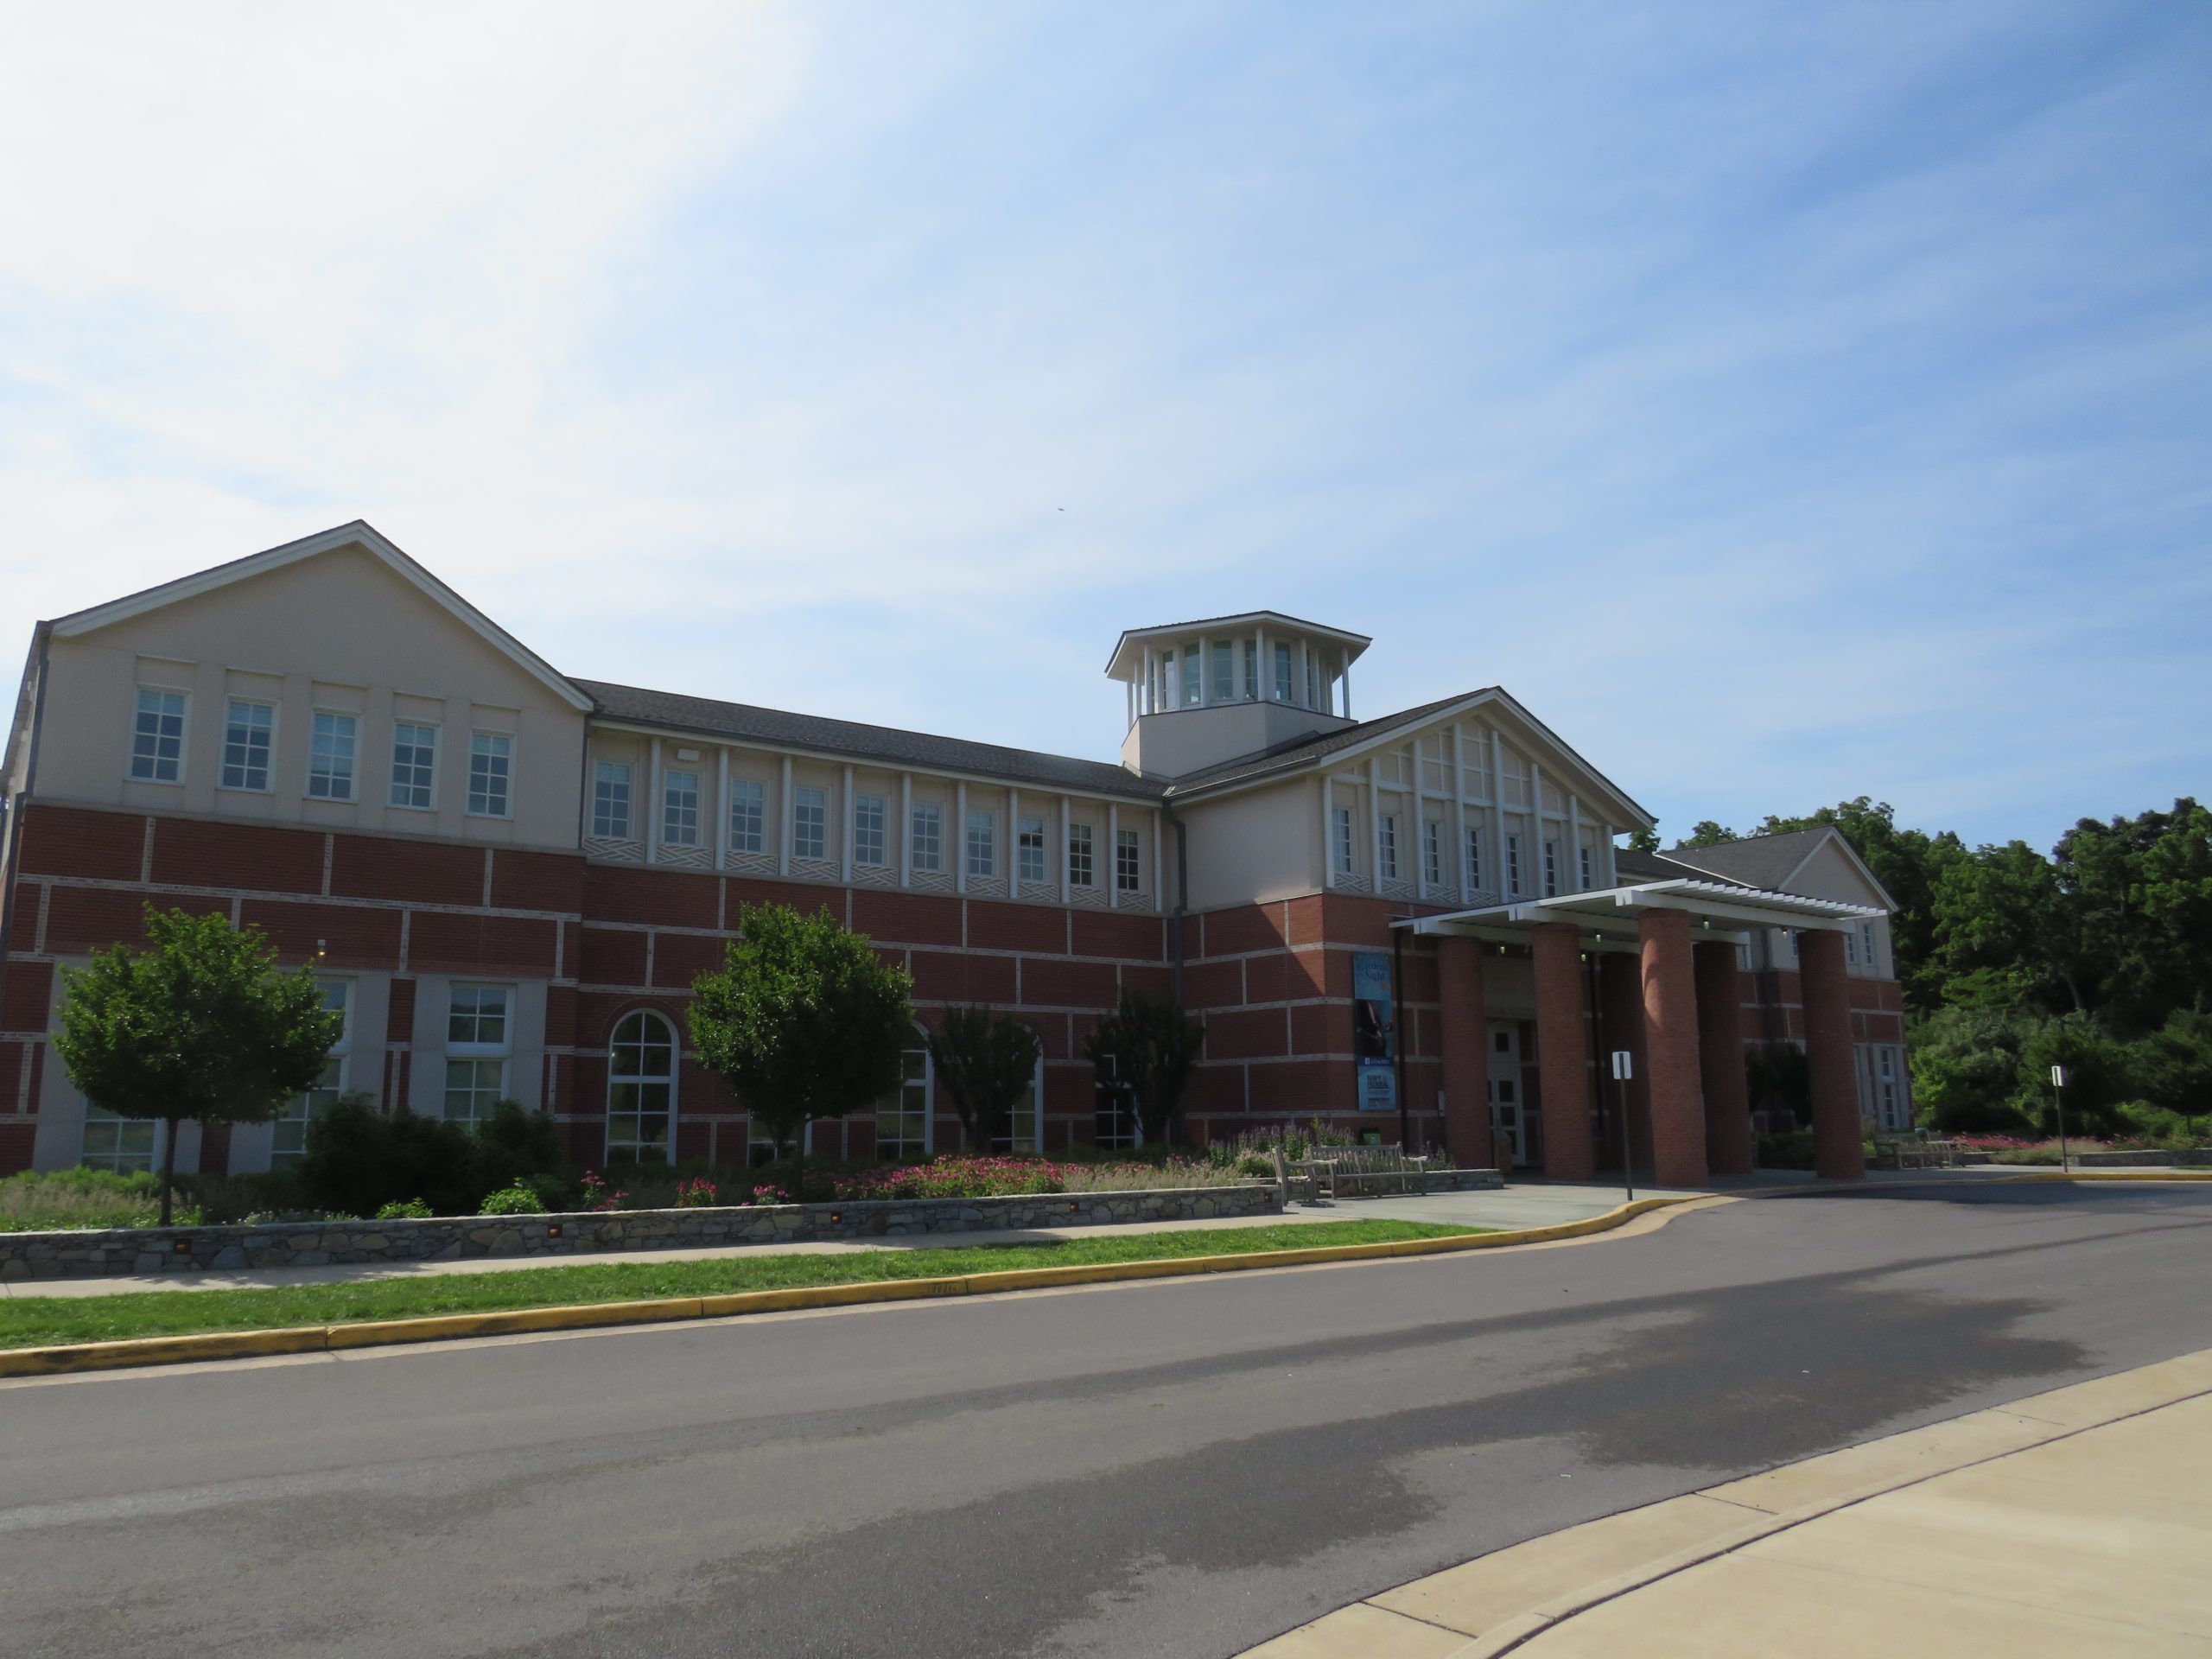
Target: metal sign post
<point x="1623" y="1068"/>
<point x="2058" y="1092"/>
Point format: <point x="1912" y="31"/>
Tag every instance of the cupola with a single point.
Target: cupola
<point x="1202" y="693"/>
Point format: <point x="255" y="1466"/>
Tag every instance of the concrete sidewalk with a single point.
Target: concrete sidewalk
<point x="2074" y="1524"/>
<point x="1498" y="1209"/>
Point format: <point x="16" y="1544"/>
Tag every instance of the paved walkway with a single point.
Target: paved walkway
<point x="1535" y="1205"/>
<point x="2076" y="1522"/>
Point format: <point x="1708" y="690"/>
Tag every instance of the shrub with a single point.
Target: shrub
<point x="404" y="1209"/>
<point x="515" y="1200"/>
<point x="511" y="1142"/>
<point x="598" y="1195"/>
<point x="1792" y="1149"/>
<point x="699" y="1194"/>
<point x="71" y="1198"/>
<point x="359" y="1158"/>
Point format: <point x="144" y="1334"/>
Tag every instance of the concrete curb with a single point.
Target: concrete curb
<point x="1496" y="1603"/>
<point x="2024" y="1176"/>
<point x="74" y="1358"/>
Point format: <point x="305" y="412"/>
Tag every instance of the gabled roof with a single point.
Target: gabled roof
<point x="880" y="745"/>
<point x="360" y="533"/>
<point x="1124" y="661"/>
<point x="1768" y="862"/>
<point x="1348" y="741"/>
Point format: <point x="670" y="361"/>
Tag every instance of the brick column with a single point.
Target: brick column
<point x="1670" y="1049"/>
<point x="1562" y="1046"/>
<point x="1837" y="1153"/>
<point x="1620" y="999"/>
<point x="1720" y="1059"/>
<point x="1466" y="1052"/>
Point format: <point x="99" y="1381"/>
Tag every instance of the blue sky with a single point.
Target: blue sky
<point x="1786" y="402"/>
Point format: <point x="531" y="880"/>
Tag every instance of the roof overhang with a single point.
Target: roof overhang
<point x="1713" y="906"/>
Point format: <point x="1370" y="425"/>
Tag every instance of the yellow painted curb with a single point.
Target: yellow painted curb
<point x="378" y="1333"/>
<point x="2033" y="1174"/>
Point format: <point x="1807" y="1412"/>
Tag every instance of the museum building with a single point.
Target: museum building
<point x="1422" y="925"/>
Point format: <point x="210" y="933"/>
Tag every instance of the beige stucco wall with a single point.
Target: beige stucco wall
<point x="341" y="632"/>
<point x="1261" y="844"/>
<point x="1179" y="741"/>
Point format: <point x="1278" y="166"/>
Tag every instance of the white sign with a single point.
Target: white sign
<point x="2058" y="1077"/>
<point x="1624" y="1065"/>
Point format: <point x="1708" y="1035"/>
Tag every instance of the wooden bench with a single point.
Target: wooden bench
<point x="1913" y="1149"/>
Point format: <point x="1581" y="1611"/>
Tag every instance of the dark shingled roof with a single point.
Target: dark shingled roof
<point x="881" y="744"/>
<point x="1310" y="747"/>
<point x="1762" y="861"/>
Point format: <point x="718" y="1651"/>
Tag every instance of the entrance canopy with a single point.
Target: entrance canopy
<point x="1607" y="917"/>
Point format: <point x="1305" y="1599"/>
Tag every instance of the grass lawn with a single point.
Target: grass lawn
<point x="36" y="1321"/>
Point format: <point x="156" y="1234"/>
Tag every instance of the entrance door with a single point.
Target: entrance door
<point x="1508" y="1136"/>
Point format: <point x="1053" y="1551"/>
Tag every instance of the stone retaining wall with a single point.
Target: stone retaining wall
<point x="2103" y="1160"/>
<point x="137" y="1251"/>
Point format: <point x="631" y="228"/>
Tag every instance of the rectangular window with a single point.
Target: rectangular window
<point x="157" y="737"/>
<point x="1474" y="858"/>
<point x="1850" y="949"/>
<point x="121" y="1144"/>
<point x="929" y="837"/>
<point x="476" y="1017"/>
<point x="491" y="773"/>
<point x="1193" y="675"/>
<point x="1551" y="869"/>
<point x="1432" y="853"/>
<point x="1587" y="882"/>
<point x="289" y="1133"/>
<point x="982" y="844"/>
<point x="679" y="808"/>
<point x="1224" y="670"/>
<point x="330" y="757"/>
<point x="1892" y="1108"/>
<point x="477" y="1024"/>
<point x="414" y="765"/>
<point x="1282" y="673"/>
<point x="1340" y="822"/>
<point x="1080" y="873"/>
<point x="1251" y="668"/>
<point x="867" y="829"/>
<point x="471" y="1088"/>
<point x="1513" y="866"/>
<point x="810" y="824"/>
<point x="1031" y="849"/>
<point x="1316" y="682"/>
<point x="610" y="801"/>
<point x="748" y="816"/>
<point x="1128" y="862"/>
<point x="1867" y="935"/>
<point x="1387" y="854"/>
<point x="249" y="729"/>
<point x="902" y="1118"/>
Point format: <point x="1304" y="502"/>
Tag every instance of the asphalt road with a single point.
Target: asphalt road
<point x="1177" y="1468"/>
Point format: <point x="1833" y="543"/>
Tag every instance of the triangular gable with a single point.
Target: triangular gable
<point x="1836" y="837"/>
<point x="358" y="534"/>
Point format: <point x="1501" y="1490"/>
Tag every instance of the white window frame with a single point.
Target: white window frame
<point x="982" y="843"/>
<point x="1221" y="673"/>
<point x="610" y="800"/>
<point x="1128" y="862"/>
<point x="116" y="1132"/>
<point x="925" y="850"/>
<point x="301" y="1109"/>
<point x="1585" y="868"/>
<point x="1551" y="869"/>
<point x="1386" y="850"/>
<point x="679" y="808"/>
<point x="1866" y="937"/>
<point x="868" y="832"/>
<point x="324" y="759"/>
<point x="246" y="767"/>
<point x="153" y="759"/>
<point x="1513" y="867"/>
<point x="1029" y="848"/>
<point x="1285" y="676"/>
<point x="1012" y="1140"/>
<point x="641" y="1079"/>
<point x="1431" y="851"/>
<point x="490" y="746"/>
<point x="748" y="816"/>
<point x="476" y="1052"/>
<point x="810" y="823"/>
<point x="1343" y="851"/>
<point x="1082" y="871"/>
<point x="916" y="1071"/>
<point x="429" y="788"/>
<point x="1474" y="858"/>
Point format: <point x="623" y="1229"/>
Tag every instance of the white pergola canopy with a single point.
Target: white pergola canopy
<point x="1606" y="919"/>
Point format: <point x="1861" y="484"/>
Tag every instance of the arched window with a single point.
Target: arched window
<point x="641" y="1091"/>
<point x="902" y="1117"/>
<point x="1025" y="1124"/>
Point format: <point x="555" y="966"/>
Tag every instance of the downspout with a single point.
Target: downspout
<point x="1182" y="893"/>
<point x="14" y="828"/>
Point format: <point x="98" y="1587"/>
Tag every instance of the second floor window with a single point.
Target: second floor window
<point x="1224" y="670"/>
<point x="414" y="765"/>
<point x="491" y="771"/>
<point x="748" y="813"/>
<point x="1129" y="862"/>
<point x="1585" y="851"/>
<point x="1079" y="868"/>
<point x="1387" y="850"/>
<point x="249" y="729"/>
<point x="982" y="844"/>
<point x="810" y="824"/>
<point x="1513" y="865"/>
<point x="1340" y="829"/>
<point x="679" y="825"/>
<point x="1031" y="850"/>
<point x="927" y="849"/>
<point x="610" y="801"/>
<point x="330" y="757"/>
<point x="157" y="737"/>
<point x="1474" y="858"/>
<point x="1551" y="869"/>
<point x="867" y="829"/>
<point x="1432" y="853"/>
<point x="1282" y="674"/>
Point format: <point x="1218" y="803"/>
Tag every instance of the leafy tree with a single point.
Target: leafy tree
<point x="803" y="1019"/>
<point x="985" y="1060"/>
<point x="1154" y="1045"/>
<point x="2173" y="1064"/>
<point x="2009" y="935"/>
<point x="1643" y="840"/>
<point x="1967" y="1065"/>
<point x="201" y="1025"/>
<point x="1706" y="833"/>
<point x="2099" y="1075"/>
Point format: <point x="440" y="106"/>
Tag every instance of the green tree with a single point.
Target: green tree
<point x="2173" y="1064"/>
<point x="985" y="1060"/>
<point x="804" y="1020"/>
<point x="2099" y="1075"/>
<point x="1154" y="1045"/>
<point x="1643" y="840"/>
<point x="2009" y="935"/>
<point x="1706" y="833"/>
<point x="1967" y="1067"/>
<point x="201" y="1026"/>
